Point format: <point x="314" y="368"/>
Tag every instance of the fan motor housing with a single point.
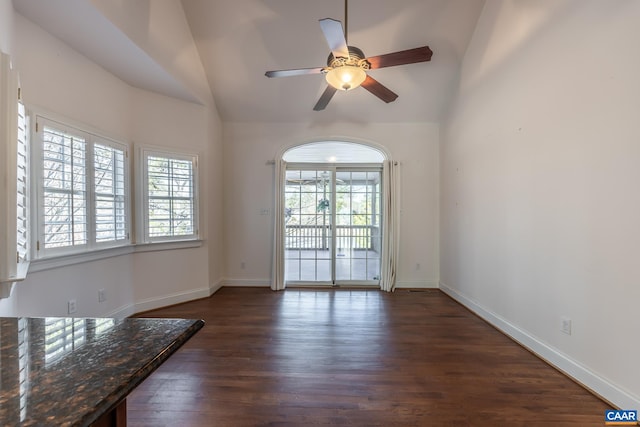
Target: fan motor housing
<point x="356" y="58"/>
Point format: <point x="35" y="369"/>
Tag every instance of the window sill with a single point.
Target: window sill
<point x="6" y="285"/>
<point x="21" y="274"/>
<point x="167" y="245"/>
<point x="99" y="254"/>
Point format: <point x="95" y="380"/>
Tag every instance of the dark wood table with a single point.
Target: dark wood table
<point x="79" y="371"/>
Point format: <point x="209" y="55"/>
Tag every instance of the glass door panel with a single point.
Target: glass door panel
<point x="308" y="246"/>
<point x="357" y="226"/>
<point x="315" y="251"/>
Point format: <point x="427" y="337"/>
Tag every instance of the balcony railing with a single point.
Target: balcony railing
<point x="365" y="237"/>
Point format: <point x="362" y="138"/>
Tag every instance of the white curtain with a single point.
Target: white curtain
<point x="390" y="224"/>
<point x="277" y="281"/>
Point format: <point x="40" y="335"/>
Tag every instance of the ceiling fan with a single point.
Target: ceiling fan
<point x="347" y="65"/>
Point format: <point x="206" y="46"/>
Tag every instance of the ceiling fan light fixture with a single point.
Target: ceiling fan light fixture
<point x="346" y="77"/>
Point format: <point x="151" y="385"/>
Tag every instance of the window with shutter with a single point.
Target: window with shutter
<point x="170" y="196"/>
<point x="64" y="189"/>
<point x="83" y="187"/>
<point x="109" y="184"/>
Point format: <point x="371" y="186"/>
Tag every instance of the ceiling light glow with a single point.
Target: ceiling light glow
<point x="346" y="77"/>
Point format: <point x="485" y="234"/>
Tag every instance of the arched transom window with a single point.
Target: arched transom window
<point x="333" y="152"/>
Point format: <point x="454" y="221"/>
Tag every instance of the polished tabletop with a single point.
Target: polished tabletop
<point x="71" y="371"/>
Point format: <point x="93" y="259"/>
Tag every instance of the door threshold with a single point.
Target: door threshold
<point x="326" y="287"/>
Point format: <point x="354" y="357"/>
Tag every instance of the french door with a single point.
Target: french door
<point x="332" y="225"/>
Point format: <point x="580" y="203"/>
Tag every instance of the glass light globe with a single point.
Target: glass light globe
<point x="346" y="77"/>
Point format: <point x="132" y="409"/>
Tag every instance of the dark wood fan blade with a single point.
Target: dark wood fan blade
<point x="325" y="98"/>
<point x="411" y="56"/>
<point x="334" y="34"/>
<point x="296" y="72"/>
<point x="379" y="90"/>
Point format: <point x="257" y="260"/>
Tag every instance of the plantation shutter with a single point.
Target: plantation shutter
<point x="64" y="188"/>
<point x="8" y="173"/>
<point x="109" y="193"/>
<point x="171" y="197"/>
<point x="22" y="225"/>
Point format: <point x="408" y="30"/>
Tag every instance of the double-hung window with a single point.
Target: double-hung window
<point x="109" y="193"/>
<point x="170" y="197"/>
<point x="83" y="189"/>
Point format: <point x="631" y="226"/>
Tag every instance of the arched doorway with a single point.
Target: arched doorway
<point x="332" y="214"/>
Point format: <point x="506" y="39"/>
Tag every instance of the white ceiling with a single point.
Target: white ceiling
<point x="241" y="39"/>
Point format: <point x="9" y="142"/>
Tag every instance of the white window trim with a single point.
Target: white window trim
<point x="142" y="197"/>
<point x="97" y="251"/>
<point x="38" y="118"/>
<point x="103" y="252"/>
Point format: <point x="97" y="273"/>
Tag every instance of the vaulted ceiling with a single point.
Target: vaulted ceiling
<point x="237" y="41"/>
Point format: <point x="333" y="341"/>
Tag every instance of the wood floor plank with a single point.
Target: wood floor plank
<point x="352" y="357"/>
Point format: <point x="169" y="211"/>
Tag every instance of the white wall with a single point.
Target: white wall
<point x="46" y="293"/>
<point x="539" y="163"/>
<point x="6" y="26"/>
<point x="248" y="182"/>
<point x="169" y="123"/>
<point x="60" y="80"/>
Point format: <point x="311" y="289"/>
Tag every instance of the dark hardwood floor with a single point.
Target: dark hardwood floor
<point x="352" y="357"/>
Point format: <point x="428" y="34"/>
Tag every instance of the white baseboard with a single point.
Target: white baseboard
<point x="164" y="301"/>
<point x="215" y="287"/>
<point x="122" y="312"/>
<point x="249" y="283"/>
<point x="583" y="375"/>
<point x="172" y="299"/>
<point x="404" y="284"/>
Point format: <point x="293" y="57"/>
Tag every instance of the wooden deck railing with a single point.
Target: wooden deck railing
<point x="317" y="237"/>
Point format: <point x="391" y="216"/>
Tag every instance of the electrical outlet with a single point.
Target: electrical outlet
<point x="242" y="265"/>
<point x="566" y="325"/>
<point x="102" y="295"/>
<point x="72" y="306"/>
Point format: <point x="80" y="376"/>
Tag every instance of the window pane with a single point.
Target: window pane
<point x="171" y="197"/>
<point x="109" y="193"/>
<point x="82" y="190"/>
<point x="158" y="171"/>
<point x="64" y="178"/>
